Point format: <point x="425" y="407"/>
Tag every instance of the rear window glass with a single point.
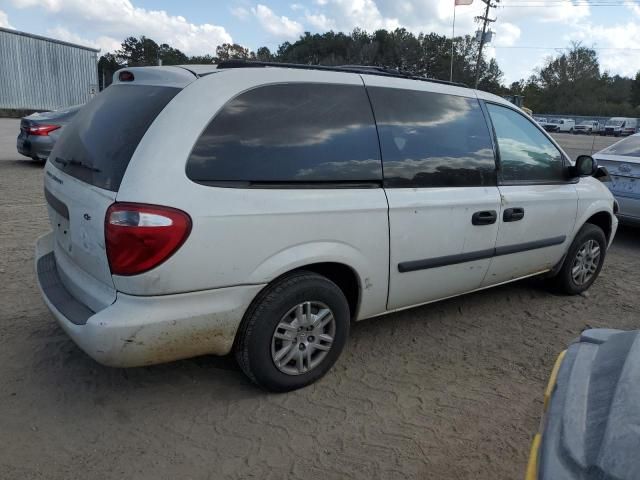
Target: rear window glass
<point x="290" y="133"/>
<point x="432" y="139"/>
<point x="629" y="147"/>
<point x="97" y="145"/>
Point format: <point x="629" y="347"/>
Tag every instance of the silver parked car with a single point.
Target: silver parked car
<point x="40" y="131"/>
<point x="622" y="160"/>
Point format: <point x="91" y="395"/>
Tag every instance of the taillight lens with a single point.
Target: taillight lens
<point x="41" y="130"/>
<point x="140" y="237"/>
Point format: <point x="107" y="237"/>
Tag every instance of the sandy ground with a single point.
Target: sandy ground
<point x="452" y="390"/>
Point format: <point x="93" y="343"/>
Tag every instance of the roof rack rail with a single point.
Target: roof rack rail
<point x="364" y="69"/>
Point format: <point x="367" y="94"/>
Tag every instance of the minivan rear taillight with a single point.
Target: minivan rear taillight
<point x="140" y="237"/>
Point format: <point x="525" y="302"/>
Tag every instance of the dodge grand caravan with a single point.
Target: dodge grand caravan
<point x="259" y="209"/>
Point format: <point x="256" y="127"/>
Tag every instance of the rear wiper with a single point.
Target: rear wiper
<point x="76" y="163"/>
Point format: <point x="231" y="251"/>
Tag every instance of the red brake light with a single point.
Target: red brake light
<point x="140" y="237"/>
<point x="126" y="76"/>
<point x="41" y="130"/>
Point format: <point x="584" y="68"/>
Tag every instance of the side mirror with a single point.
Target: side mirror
<point x="585" y="166"/>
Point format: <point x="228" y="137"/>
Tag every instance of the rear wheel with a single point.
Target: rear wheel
<point x="293" y="332"/>
<point x="583" y="262"/>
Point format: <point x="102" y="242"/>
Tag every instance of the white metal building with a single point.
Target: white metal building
<point x="39" y="73"/>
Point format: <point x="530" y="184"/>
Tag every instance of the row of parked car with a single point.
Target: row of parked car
<point x="616" y="126"/>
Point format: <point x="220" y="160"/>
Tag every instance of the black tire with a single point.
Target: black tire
<point x="253" y="347"/>
<point x="564" y="281"/>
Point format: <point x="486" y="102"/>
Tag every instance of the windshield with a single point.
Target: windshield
<point x="629" y="147"/>
<point x="554" y="120"/>
<point x="97" y="145"/>
<point x="614" y="123"/>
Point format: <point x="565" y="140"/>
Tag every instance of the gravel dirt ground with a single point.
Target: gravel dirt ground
<point x="452" y="390"/>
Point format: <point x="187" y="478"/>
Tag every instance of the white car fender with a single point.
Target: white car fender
<point x="373" y="288"/>
<point x="594" y="197"/>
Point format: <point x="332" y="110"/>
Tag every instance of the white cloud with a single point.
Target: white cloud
<point x="240" y="12"/>
<point x="4" y="20"/>
<point x="548" y="11"/>
<point x="280" y="27"/>
<point x="104" y="43"/>
<point x="612" y="55"/>
<point x="507" y="34"/>
<point x="363" y="14"/>
<point x="120" y="18"/>
<point x="320" y="22"/>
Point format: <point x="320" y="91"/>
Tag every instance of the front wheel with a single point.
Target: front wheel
<point x="583" y="262"/>
<point x="293" y="332"/>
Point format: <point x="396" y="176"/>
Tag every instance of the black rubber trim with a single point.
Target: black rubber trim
<point x="49" y="279"/>
<point x="424" y="264"/>
<point x="292" y="185"/>
<point x="444" y="261"/>
<point x="56" y="204"/>
<point x="523" y="247"/>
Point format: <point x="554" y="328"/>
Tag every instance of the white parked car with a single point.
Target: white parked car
<point x="560" y="125"/>
<point x="260" y="210"/>
<point x="587" y="127"/>
<point x="622" y="160"/>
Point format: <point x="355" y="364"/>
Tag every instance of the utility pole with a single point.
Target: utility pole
<point x="485" y="21"/>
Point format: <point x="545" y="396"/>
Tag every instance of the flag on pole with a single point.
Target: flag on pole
<point x="462" y="2"/>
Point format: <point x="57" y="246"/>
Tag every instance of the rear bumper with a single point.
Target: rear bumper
<point x="35" y="146"/>
<point x="136" y="330"/>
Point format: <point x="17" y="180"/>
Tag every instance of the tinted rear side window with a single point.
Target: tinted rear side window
<point x="432" y="140"/>
<point x="302" y="133"/>
<point x="97" y="145"/>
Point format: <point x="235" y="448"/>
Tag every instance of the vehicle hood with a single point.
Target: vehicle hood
<point x="592" y="426"/>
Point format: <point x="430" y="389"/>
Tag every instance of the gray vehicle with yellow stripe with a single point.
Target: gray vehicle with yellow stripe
<point x="590" y="428"/>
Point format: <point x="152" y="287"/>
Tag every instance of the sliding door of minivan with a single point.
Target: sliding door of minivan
<point x="440" y="180"/>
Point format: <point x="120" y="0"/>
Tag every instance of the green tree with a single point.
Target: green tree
<point x="107" y="66"/>
<point x="143" y="51"/>
<point x="228" y="51"/>
<point x="635" y="91"/>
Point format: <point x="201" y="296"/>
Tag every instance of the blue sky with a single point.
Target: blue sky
<point x="525" y="35"/>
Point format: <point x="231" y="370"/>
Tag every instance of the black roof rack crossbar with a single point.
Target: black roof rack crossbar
<point x="363" y="69"/>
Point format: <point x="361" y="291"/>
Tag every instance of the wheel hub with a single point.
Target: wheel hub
<point x="303" y="338"/>
<point x="586" y="262"/>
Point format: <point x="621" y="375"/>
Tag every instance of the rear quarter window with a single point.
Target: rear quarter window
<point x="97" y="145"/>
<point x="302" y="133"/>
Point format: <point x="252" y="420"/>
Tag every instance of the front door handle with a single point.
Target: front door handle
<point x="485" y="217"/>
<point x="513" y="214"/>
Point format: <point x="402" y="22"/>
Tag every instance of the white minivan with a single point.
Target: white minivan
<point x="261" y="208"/>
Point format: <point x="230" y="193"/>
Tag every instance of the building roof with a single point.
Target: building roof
<point x="47" y="39"/>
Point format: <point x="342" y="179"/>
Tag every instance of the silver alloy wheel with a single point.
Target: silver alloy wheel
<point x="586" y="262"/>
<point x="303" y="338"/>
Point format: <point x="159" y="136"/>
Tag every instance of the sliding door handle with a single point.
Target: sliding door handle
<point x="513" y="214"/>
<point x="485" y="217"/>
